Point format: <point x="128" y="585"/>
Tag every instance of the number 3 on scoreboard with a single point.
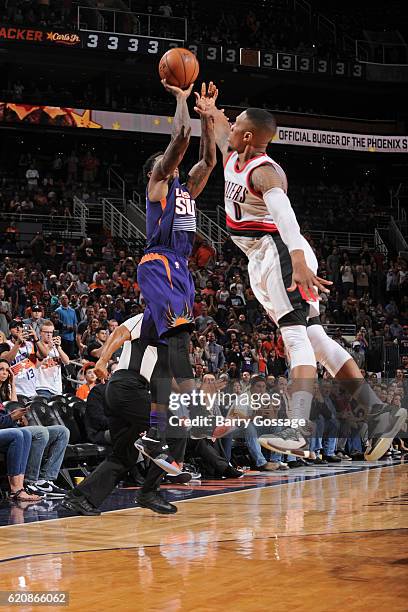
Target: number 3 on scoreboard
<point x="238" y="211"/>
<point x="92" y="41"/>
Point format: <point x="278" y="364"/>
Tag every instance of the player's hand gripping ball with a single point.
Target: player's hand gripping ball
<point x="179" y="67"/>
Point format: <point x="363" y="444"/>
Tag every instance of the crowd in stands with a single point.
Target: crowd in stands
<point x="265" y="25"/>
<point x="60" y="299"/>
<point x="55" y="13"/>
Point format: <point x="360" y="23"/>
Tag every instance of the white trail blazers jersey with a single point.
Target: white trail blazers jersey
<point x="247" y="215"/>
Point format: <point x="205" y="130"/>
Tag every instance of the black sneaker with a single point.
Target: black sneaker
<point x="153" y="445"/>
<point x="182" y="478"/>
<point x="231" y="472"/>
<point x="384" y="423"/>
<point x="296" y="464"/>
<point x="154" y="501"/>
<point x="50" y="489"/>
<point x="317" y="461"/>
<point x="31" y="488"/>
<point x="332" y="458"/>
<point x="79" y="505"/>
<point x="195" y="474"/>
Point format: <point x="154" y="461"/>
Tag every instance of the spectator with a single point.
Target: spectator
<point x="94" y="349"/>
<point x="49" y="375"/>
<point x="68" y="321"/>
<point x="15" y="442"/>
<point x="243" y="409"/>
<point x="97" y="425"/>
<point x="90" y="382"/>
<point x="214" y="355"/>
<point x="36" y="320"/>
<point x="21" y="353"/>
<point x="32" y="177"/>
<point x="5" y="313"/>
<point x="46" y="453"/>
<point x="202" y="322"/>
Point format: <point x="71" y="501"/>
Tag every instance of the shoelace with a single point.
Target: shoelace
<point x="288" y="433"/>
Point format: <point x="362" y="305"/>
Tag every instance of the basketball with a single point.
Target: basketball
<point x="179" y="67"/>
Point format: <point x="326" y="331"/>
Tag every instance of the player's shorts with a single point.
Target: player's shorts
<point x="168" y="290"/>
<point x="270" y="275"/>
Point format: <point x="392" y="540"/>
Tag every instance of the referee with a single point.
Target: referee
<point x="127" y="406"/>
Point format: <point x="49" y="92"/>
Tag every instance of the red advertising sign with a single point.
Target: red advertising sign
<point x="36" y="36"/>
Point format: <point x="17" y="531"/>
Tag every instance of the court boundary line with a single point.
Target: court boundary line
<point x="181" y="544"/>
<point x="252" y="488"/>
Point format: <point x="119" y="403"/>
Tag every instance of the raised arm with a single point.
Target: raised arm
<point x="266" y="181"/>
<point x="205" y="106"/>
<point x="174" y="153"/>
<point x="199" y="174"/>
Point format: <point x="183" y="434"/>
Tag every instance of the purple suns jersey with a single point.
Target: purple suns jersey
<point x="171" y="223"/>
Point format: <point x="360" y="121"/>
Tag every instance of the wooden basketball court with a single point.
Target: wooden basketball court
<point x="322" y="544"/>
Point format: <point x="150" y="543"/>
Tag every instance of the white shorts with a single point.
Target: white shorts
<point x="270" y="273"/>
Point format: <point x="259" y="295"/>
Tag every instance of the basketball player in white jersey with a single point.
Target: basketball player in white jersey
<point x="283" y="272"/>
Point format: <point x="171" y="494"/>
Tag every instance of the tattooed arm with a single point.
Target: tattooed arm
<point x="174" y="153"/>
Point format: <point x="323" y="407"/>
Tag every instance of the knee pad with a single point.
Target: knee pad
<point x="328" y="352"/>
<point x="178" y="356"/>
<point x="160" y="381"/>
<point x="298" y="346"/>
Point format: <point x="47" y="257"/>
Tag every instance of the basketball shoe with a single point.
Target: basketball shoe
<point x="153" y="446"/>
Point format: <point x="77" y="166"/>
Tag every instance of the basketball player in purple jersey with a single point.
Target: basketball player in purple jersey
<point x="163" y="275"/>
<point x="283" y="273"/>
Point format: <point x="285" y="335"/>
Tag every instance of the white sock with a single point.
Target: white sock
<point x="300" y="405"/>
<point x="366" y="397"/>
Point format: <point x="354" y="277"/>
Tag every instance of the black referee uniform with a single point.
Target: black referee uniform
<point x="127" y="406"/>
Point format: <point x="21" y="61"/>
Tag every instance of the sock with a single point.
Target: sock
<point x="300" y="405"/>
<point x="366" y="397"/>
<point x="158" y="419"/>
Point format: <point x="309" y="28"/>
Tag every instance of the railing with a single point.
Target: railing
<point x="380" y="244"/>
<point x="30" y="224"/>
<point x="344" y="240"/>
<point x="136" y="215"/>
<point x="115" y="181"/>
<point x="137" y="208"/>
<point x="399" y="200"/>
<point x="118" y="224"/>
<point x="396" y="237"/>
<point x="132" y="22"/>
<point x="346" y="329"/>
<point x="375" y="52"/>
<point x="81" y="213"/>
<point x="136" y="197"/>
<point x="210" y="229"/>
<point x="305" y="7"/>
<point x="221" y="216"/>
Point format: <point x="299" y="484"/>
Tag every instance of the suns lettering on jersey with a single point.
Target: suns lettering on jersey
<point x="185" y="205"/>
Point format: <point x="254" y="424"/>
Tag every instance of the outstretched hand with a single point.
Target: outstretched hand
<point x="206" y="99"/>
<point x="177" y="92"/>
<point x="304" y="279"/>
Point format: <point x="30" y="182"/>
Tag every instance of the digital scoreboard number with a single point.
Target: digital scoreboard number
<point x="151" y="46"/>
<point x="144" y="45"/>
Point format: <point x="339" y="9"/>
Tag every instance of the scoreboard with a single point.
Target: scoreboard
<point x="270" y="60"/>
<point x="133" y="44"/>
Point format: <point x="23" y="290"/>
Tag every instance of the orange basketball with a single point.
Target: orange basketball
<point x="179" y="67"/>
